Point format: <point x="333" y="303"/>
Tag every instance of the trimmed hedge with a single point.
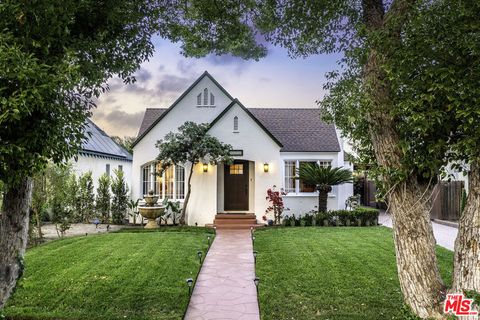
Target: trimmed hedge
<point x="359" y="217"/>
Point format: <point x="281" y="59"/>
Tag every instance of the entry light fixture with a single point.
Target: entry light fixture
<point x="205" y="167"/>
<point x="265" y="167"/>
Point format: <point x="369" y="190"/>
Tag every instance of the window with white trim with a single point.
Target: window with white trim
<point x="290" y="172"/>
<point x="212" y="99"/>
<point x="170" y="183"/>
<point x="180" y="182"/>
<point x="199" y="99"/>
<point x="235" y="123"/>
<point x="205" y="97"/>
<point x="292" y="185"/>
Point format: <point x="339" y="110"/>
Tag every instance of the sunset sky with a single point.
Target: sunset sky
<point x="275" y="81"/>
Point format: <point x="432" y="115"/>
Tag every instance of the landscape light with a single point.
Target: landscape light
<point x="265" y="167"/>
<point x="199" y="254"/>
<point x="257" y="282"/>
<point x="189" y="284"/>
<point x="255" y="256"/>
<point x="208" y="239"/>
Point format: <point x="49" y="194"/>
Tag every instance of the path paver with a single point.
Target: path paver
<point x="225" y="287"/>
<point x="445" y="235"/>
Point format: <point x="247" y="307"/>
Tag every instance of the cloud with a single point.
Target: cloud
<point x="143" y="75"/>
<point x="172" y="83"/>
<point x="118" y="122"/>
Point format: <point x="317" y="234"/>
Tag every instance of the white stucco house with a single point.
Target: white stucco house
<point x="101" y="154"/>
<point x="269" y="145"/>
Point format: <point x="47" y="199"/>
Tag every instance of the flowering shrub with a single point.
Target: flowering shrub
<point x="275" y="198"/>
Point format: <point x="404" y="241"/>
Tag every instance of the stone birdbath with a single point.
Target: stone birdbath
<point x="151" y="211"/>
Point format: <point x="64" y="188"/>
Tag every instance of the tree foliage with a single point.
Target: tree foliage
<point x="323" y="178"/>
<point x="86" y="200"/>
<point x="119" y="197"/>
<point x="103" y="198"/>
<point x="191" y="145"/>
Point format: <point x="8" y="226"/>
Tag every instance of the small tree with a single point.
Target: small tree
<point x="275" y="198"/>
<point x="120" y="197"/>
<point x="323" y="178"/>
<point x="103" y="198"/>
<point x="87" y="198"/>
<point x="192" y="144"/>
<point x="57" y="179"/>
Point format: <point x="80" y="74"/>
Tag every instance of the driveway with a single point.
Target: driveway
<point x="444" y="235"/>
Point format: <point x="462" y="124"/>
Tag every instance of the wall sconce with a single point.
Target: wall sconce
<point x="205" y="167"/>
<point x="265" y="167"/>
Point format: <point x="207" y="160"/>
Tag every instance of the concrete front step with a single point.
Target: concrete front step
<point x="234" y="221"/>
<point x="235" y="216"/>
<point x="238" y="226"/>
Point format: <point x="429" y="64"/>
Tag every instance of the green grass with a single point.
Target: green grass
<point x="331" y="273"/>
<point x="127" y="275"/>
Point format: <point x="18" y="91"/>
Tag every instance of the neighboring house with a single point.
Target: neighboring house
<point x="100" y="154"/>
<point x="268" y="147"/>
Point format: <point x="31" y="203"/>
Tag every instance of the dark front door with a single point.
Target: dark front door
<point x="236" y="186"/>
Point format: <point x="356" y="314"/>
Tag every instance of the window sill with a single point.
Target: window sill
<point x="306" y="194"/>
<point x="236" y="131"/>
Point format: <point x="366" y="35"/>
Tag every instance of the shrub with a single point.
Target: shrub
<point x="365" y="216"/>
<point x="120" y="197"/>
<point x="103" y="198"/>
<point x="86" y="198"/>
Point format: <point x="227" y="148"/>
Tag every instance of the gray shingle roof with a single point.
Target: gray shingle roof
<point x="151" y="114"/>
<point x="99" y="143"/>
<point x="299" y="130"/>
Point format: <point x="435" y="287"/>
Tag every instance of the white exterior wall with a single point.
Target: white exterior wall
<point x="185" y="110"/>
<point x="259" y="148"/>
<point x="98" y="167"/>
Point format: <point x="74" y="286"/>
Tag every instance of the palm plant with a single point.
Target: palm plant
<point x="323" y="178"/>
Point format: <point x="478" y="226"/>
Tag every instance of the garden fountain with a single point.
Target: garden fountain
<point x="151" y="210"/>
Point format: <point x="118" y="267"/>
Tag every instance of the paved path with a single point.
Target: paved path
<point x="225" y="287"/>
<point x="444" y="235"/>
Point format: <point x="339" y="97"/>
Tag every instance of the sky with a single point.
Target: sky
<point x="276" y="81"/>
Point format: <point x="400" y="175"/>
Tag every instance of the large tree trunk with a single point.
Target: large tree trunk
<point x="418" y="272"/>
<point x="466" y="274"/>
<point x="13" y="235"/>
<point x="183" y="216"/>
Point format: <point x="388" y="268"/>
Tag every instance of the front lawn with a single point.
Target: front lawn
<point x="331" y="273"/>
<point x="112" y="276"/>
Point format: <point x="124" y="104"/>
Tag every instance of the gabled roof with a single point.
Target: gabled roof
<point x="151" y="115"/>
<point x="298" y="130"/>
<point x="236" y="102"/>
<point x="205" y="74"/>
<point x="98" y="143"/>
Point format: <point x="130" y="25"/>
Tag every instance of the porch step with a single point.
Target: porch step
<point x="236" y="221"/>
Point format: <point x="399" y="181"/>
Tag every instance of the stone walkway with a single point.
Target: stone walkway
<point x="444" y="235"/>
<point x="225" y="287"/>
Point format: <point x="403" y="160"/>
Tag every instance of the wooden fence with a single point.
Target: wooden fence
<point x="447" y="199"/>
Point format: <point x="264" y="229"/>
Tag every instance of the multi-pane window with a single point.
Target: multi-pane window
<point x="168" y="174"/>
<point x="169" y="183"/>
<point x="120" y="168"/>
<point x="107" y="169"/>
<point x="146" y="178"/>
<point x="205" y="97"/>
<point x="180" y="182"/>
<point x="235" y="123"/>
<point x="290" y="172"/>
<point x="304" y="186"/>
<point x="292" y="185"/>
<point x="236" y="168"/>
